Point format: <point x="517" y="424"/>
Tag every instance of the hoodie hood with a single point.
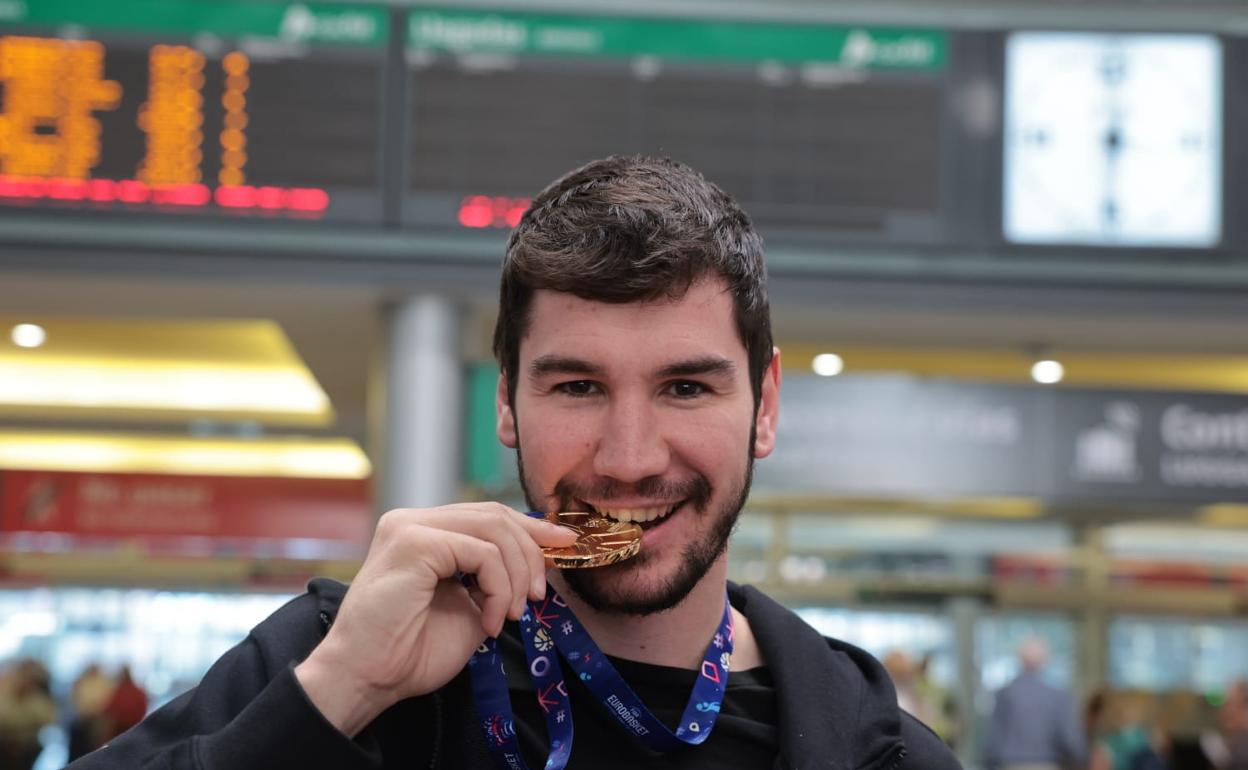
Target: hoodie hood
<point x="840" y="711"/>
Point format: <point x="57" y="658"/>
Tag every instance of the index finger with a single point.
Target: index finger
<point x="544" y="532"/>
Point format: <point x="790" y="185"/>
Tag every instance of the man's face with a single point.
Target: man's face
<point x="640" y="411"/>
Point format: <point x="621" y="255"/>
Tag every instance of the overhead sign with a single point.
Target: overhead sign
<point x="800" y="122"/>
<point x="512" y="32"/>
<point x="333" y="23"/>
<point x="1154" y="446"/>
<point x="181" y="107"/>
<point x="887" y="435"/>
<point x="902" y="436"/>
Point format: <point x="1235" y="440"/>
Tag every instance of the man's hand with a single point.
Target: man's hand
<point x="407" y="625"/>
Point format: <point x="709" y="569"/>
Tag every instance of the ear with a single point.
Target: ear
<point x="768" y="408"/>
<point x="506" y="425"/>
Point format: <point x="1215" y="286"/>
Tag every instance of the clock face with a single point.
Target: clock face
<point x="1113" y="139"/>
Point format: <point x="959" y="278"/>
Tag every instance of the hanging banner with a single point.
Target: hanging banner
<point x="116" y="505"/>
<point x="895" y="435"/>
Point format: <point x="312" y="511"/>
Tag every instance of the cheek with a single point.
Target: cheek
<point x="713" y="445"/>
<point x="553" y="446"/>
<point x="724" y="428"/>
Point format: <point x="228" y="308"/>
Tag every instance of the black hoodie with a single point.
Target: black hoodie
<point x="836" y="708"/>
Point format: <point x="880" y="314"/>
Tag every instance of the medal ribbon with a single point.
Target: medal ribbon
<point x="489" y="690"/>
<point x="601" y="678"/>
<point x="551" y="624"/>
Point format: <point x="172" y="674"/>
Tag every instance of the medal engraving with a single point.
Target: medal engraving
<point x="600" y="541"/>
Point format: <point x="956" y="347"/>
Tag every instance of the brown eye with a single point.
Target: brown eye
<point x="687" y="389"/>
<point x="577" y="388"/>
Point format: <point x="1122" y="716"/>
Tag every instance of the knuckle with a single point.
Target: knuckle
<point x="392" y="520"/>
<point x="497" y="521"/>
<point x="491" y="554"/>
<point x="385" y="522"/>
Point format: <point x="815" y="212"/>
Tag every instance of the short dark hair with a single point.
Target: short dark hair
<point x="628" y="229"/>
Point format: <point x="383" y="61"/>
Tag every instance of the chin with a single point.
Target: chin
<point x="637" y="587"/>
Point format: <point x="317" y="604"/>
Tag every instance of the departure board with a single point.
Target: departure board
<point x="167" y="107"/>
<point x="815" y="129"/>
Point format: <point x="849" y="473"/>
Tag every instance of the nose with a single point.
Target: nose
<point x="632" y="446"/>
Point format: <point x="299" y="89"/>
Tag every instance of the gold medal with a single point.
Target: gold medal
<point x="600" y="541"/>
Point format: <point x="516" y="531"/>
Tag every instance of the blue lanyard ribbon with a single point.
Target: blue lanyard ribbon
<point x="550" y="625"/>
<point x="489" y="690"/>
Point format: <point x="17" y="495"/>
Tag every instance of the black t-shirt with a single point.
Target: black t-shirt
<point x="744" y="735"/>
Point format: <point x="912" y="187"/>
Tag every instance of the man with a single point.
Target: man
<point x="639" y="383"/>
<point x="1033" y="723"/>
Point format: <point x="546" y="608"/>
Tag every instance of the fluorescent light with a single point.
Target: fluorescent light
<point x="1224" y="515"/>
<point x="1047" y="372"/>
<point x="122" y="370"/>
<point x="827" y="364"/>
<point x="146" y="385"/>
<point x="295" y="457"/>
<point x="28" y="335"/>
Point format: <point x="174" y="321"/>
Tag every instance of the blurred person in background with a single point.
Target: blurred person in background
<point x="26" y="707"/>
<point x="940" y="708"/>
<point x="1183" y="730"/>
<point x="126" y="706"/>
<point x="917" y="695"/>
<point x="1125" y="738"/>
<point x="1093" y="710"/>
<point x="638" y="382"/>
<point x="90" y="694"/>
<point x="1034" y="725"/>
<point x="1228" y="746"/>
<point x="904" y="671"/>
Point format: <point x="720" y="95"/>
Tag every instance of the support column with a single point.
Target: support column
<point x="419" y="424"/>
<point x="1092" y="664"/>
<point x="964" y="612"/>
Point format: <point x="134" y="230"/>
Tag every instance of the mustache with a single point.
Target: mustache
<point x="695" y="489"/>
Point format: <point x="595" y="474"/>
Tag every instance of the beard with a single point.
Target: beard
<point x="606" y="589"/>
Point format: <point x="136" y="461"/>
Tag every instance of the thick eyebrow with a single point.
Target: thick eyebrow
<point x="547" y="365"/>
<point x="699" y="367"/>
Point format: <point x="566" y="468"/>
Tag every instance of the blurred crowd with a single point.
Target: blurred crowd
<point x="1137" y="730"/>
<point x="100" y="706"/>
<point x="1037" y="726"/>
<point x="1033" y="726"/>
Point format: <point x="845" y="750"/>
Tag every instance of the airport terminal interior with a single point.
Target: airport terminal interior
<point x="249" y="263"/>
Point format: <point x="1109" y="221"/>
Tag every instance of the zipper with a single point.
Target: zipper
<point x="890" y="761"/>
<point x="898" y="758"/>
<point x="901" y="756"/>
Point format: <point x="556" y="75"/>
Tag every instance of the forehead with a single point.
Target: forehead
<point x="699" y="323"/>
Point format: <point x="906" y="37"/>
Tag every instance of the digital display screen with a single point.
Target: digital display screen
<point x="813" y="129"/>
<point x="224" y="108"/>
<point x="1113" y="140"/>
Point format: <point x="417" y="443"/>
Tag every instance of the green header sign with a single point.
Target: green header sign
<point x="470" y="31"/>
<point x="314" y="23"/>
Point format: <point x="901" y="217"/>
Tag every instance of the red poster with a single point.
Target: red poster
<point x="105" y="505"/>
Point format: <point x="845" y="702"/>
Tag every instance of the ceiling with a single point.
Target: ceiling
<point x="330" y="327"/>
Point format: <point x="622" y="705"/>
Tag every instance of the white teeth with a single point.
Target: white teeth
<point x="635" y="514"/>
